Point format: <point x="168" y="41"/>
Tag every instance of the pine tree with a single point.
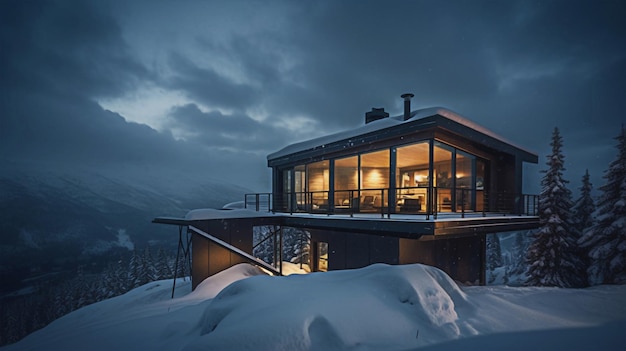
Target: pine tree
<point x="584" y="206"/>
<point x="606" y="240"/>
<point x="583" y="216"/>
<point x="163" y="270"/>
<point x="134" y="271"/>
<point x="118" y="273"/>
<point x="300" y="249"/>
<point x="494" y="252"/>
<point x="183" y="269"/>
<point x="552" y="255"/>
<point x="148" y="267"/>
<point x="263" y="240"/>
<point x="518" y="264"/>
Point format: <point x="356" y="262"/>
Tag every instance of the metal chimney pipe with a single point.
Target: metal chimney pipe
<point x="407" y="105"/>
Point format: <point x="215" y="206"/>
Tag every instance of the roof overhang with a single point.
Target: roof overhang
<point x="431" y="119"/>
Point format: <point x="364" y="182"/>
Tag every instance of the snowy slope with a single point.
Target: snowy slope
<point x="379" y="307"/>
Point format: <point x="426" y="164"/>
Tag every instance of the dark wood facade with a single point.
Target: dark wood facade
<point x="456" y="247"/>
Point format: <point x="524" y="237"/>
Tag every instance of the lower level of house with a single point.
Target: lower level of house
<point x="323" y="243"/>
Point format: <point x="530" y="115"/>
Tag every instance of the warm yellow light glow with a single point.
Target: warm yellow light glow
<point x="374" y="176"/>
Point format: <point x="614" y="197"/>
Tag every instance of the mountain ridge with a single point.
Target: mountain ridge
<point x="52" y="219"/>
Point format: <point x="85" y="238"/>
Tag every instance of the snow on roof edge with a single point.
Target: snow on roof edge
<point x="389" y="122"/>
<point x="453" y="116"/>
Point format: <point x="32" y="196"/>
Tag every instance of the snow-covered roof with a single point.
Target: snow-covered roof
<point x="390" y="122"/>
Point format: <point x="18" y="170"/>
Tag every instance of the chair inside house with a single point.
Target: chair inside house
<point x="368" y="202"/>
<point x="320" y="204"/>
<point x="411" y="205"/>
<point x="446" y="204"/>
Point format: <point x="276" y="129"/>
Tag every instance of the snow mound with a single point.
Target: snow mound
<point x="374" y="308"/>
<point x="403" y="306"/>
<point x="211" y="286"/>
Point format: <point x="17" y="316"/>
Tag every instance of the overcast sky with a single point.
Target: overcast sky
<point x="221" y="84"/>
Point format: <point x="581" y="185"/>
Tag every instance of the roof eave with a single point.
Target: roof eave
<point x="420" y="120"/>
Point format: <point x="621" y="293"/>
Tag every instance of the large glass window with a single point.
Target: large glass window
<point x="442" y="170"/>
<point x="347" y="183"/>
<point x="412" y="178"/>
<point x="452" y="181"/>
<point x="375" y="177"/>
<point x="480" y="184"/>
<point x="465" y="173"/>
<point x="318" y="184"/>
<point x="300" y="187"/>
<point x="287" y="196"/>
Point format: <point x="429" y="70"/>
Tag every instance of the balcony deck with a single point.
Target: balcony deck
<point x="515" y="213"/>
<point x="397" y="225"/>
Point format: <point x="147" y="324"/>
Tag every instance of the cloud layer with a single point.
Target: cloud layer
<point x="247" y="78"/>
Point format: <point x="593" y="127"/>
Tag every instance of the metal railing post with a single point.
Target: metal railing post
<point x="462" y="203"/>
<point x="382" y="203"/>
<point x="485" y="203"/>
<point x="434" y="203"/>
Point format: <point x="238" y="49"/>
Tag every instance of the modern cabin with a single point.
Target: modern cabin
<point x="422" y="187"/>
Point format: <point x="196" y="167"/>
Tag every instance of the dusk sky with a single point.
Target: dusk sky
<point x="215" y="86"/>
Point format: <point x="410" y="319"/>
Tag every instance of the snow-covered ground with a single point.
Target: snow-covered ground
<point x="379" y="307"/>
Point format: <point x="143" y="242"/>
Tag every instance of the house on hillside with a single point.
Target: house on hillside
<point x="422" y="187"/>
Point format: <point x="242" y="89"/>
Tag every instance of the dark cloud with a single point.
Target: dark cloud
<point x="64" y="48"/>
<point x="209" y="86"/>
<point x="218" y="131"/>
<point x="291" y="70"/>
<point x="59" y="58"/>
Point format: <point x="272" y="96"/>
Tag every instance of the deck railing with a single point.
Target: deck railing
<point x="428" y="201"/>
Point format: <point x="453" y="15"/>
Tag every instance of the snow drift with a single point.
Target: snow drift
<point x="379" y="307"/>
<point x="404" y="305"/>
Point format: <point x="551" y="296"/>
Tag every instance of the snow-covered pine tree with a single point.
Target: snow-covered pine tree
<point x="182" y="266"/>
<point x="494" y="256"/>
<point x="583" y="215"/>
<point x="149" y="269"/>
<point x="552" y="255"/>
<point x="263" y="242"/>
<point x="584" y="206"/>
<point x="163" y="270"/>
<point x="300" y="249"/>
<point x="518" y="266"/>
<point x="494" y="252"/>
<point x="106" y="284"/>
<point x="134" y="270"/>
<point x="606" y="240"/>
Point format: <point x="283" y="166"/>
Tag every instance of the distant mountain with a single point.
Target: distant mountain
<point x="52" y="218"/>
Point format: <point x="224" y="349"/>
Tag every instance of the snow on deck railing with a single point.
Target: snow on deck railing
<point x="427" y="201"/>
<point x="258" y="201"/>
